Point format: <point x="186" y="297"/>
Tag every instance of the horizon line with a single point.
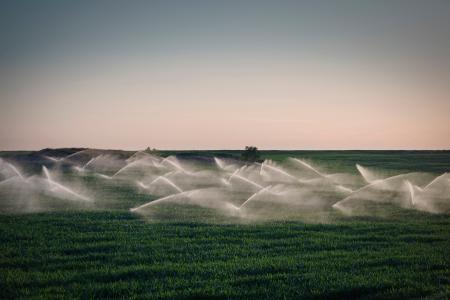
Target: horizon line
<point x="211" y="149"/>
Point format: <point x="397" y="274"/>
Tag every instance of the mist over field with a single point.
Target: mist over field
<point x="171" y="186"/>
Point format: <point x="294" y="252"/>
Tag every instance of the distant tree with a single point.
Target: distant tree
<point x="153" y="151"/>
<point x="250" y="154"/>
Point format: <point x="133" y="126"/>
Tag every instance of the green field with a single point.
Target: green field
<point x="110" y="252"/>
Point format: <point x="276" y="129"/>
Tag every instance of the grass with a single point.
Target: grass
<point x="112" y="253"/>
<point x="115" y="254"/>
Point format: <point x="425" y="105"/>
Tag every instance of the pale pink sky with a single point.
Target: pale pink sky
<point x="275" y="86"/>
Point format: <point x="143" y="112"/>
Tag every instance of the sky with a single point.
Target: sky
<point x="225" y="74"/>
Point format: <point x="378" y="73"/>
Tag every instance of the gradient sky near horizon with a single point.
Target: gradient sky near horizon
<point x="224" y="74"/>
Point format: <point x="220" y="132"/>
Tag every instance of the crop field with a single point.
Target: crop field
<point x="85" y="223"/>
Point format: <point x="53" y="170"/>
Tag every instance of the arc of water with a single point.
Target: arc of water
<point x="280" y="171"/>
<point x="167" y="198"/>
<point x="104" y="176"/>
<point x="254" y="195"/>
<point x="168" y="181"/>
<point x="47" y="174"/>
<point x="11" y="166"/>
<point x="219" y="163"/>
<point x="7" y="180"/>
<point x="163" y="199"/>
<point x="166" y="174"/>
<point x="366" y="174"/>
<point x="418" y="188"/>
<point x="176" y="165"/>
<point x="156" y="164"/>
<point x="77" y="168"/>
<point x="126" y="167"/>
<point x="246" y="180"/>
<point x="170" y="173"/>
<point x="64" y="158"/>
<point x="156" y="179"/>
<point x="374" y="183"/>
<point x="231" y="205"/>
<point x="142" y="185"/>
<point x="90" y="162"/>
<point x="66" y="189"/>
<point x="234" y="173"/>
<point x="62" y="187"/>
<point x="135" y="154"/>
<point x="152" y="157"/>
<point x="434" y="180"/>
<point x="344" y="189"/>
<point x="261" y="169"/>
<point x="73" y="154"/>
<point x="308" y="166"/>
<point x="52" y="158"/>
<point x="338" y="186"/>
<point x="411" y="191"/>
